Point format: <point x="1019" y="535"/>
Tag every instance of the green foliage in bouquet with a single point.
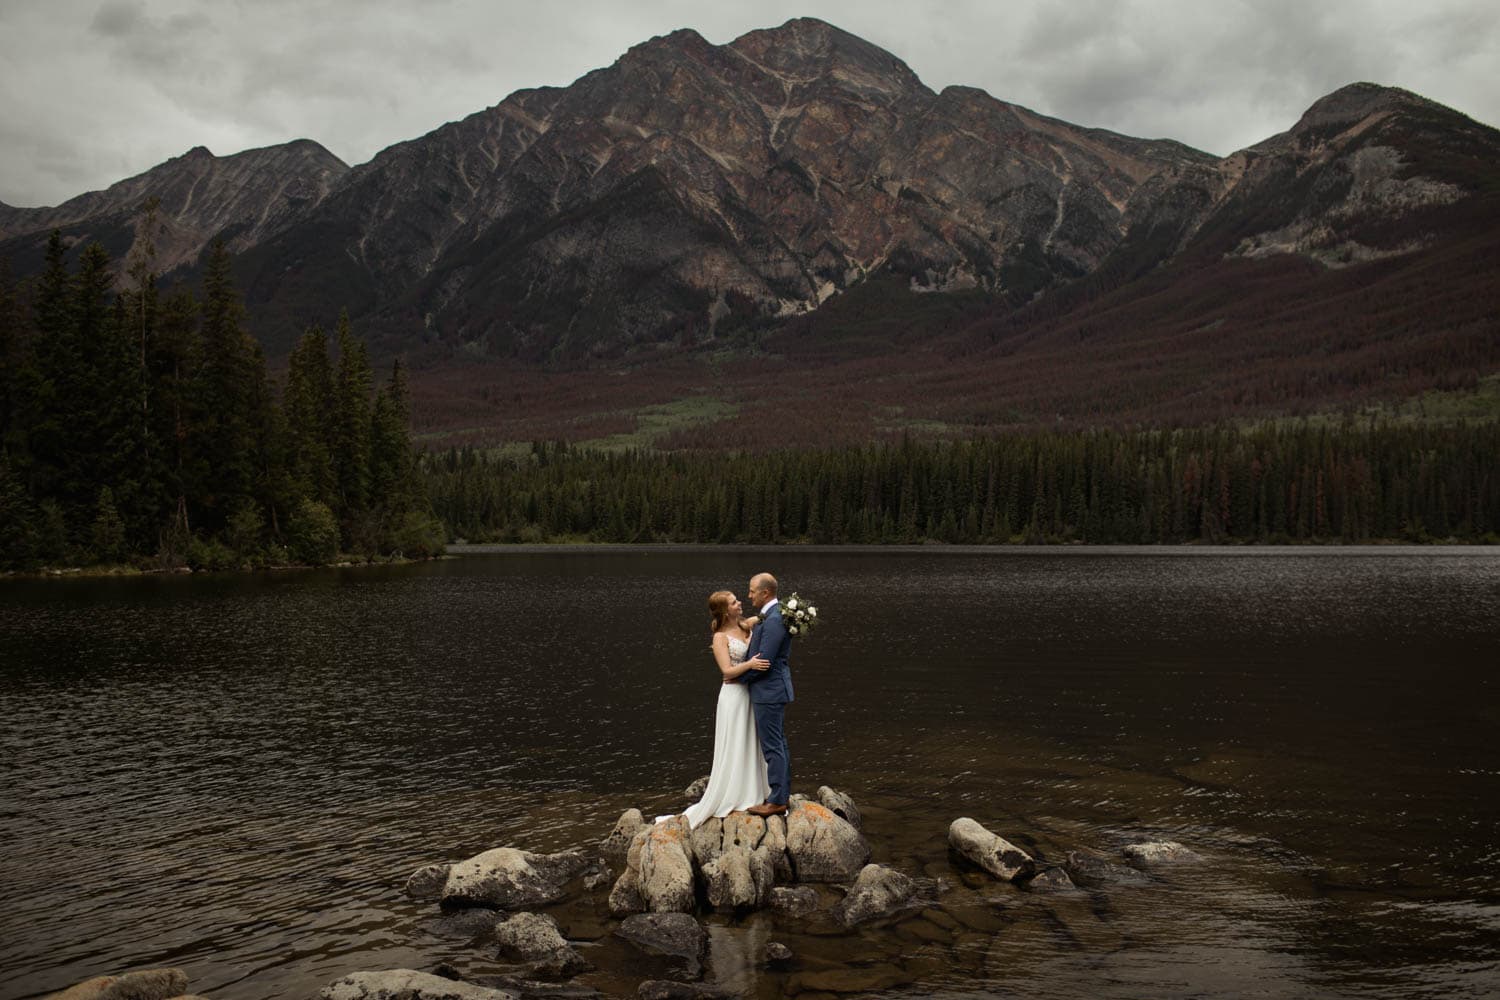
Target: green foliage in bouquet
<point x="800" y="614"/>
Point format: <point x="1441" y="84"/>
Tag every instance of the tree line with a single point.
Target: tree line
<point x="1301" y="482"/>
<point x="139" y="426"/>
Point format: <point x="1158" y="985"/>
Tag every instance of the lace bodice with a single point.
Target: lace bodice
<point x="737" y="649"/>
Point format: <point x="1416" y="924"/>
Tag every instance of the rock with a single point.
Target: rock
<point x="427" y="882"/>
<point x="534" y="938"/>
<point x="510" y="879"/>
<point x="775" y="842"/>
<point x="994" y="854"/>
<point x="617" y="843"/>
<point x="695" y="791"/>
<point x="714" y="836"/>
<point x="778" y="953"/>
<point x="823" y="847"/>
<point x="1090" y="870"/>
<point x="878" y="892"/>
<point x="1158" y="852"/>
<point x="675" y="935"/>
<point x="407" y="984"/>
<point x="625" y="898"/>
<point x="794" y="900"/>
<point x="461" y="925"/>
<point x="840" y="805"/>
<point x="598" y="879"/>
<point x="147" y="984"/>
<point x="666" y="989"/>
<point x="740" y="879"/>
<point x="666" y="868"/>
<point x="1052" y="879"/>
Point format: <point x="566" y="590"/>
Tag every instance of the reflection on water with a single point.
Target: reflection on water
<point x="235" y="774"/>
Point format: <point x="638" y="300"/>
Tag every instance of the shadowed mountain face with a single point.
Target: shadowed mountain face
<point x="691" y="188"/>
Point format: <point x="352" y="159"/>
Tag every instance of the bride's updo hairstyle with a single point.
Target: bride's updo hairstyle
<point x="718" y="606"/>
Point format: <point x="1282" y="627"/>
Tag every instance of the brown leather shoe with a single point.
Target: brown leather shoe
<point x="766" y="809"/>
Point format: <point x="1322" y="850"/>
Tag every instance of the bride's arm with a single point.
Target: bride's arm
<point x="731" y="671"/>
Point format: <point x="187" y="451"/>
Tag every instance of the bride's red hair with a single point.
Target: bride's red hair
<point x="718" y="606"/>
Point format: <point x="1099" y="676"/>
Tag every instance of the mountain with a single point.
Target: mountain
<point x="802" y="190"/>
<point x="244" y="199"/>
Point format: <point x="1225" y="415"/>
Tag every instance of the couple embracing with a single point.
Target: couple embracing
<point x="751" y="770"/>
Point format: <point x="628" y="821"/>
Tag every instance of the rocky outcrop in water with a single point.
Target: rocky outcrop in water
<point x="407" y="984"/>
<point x="877" y="892"/>
<point x="536" y="940"/>
<point x="676" y="936"/>
<point x="509" y="879"/>
<point x="146" y="984"/>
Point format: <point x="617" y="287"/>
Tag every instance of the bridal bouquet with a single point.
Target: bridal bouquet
<point x="801" y="615"/>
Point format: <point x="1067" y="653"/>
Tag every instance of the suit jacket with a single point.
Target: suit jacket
<point x="771" y="640"/>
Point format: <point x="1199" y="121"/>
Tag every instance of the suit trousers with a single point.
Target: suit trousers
<point x="768" y="723"/>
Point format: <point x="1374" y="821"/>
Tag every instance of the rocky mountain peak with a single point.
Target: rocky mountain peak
<point x="806" y="49"/>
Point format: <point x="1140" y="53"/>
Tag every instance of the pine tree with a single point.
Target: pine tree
<point x="351" y="455"/>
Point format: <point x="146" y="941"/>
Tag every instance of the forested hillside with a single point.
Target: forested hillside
<point x="142" y="429"/>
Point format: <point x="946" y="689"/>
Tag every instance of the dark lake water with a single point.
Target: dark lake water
<point x="235" y="774"/>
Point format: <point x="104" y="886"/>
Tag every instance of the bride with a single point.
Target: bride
<point x="738" y="779"/>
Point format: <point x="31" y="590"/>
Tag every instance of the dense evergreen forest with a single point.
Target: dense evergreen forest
<point x="1301" y="482"/>
<point x="140" y="428"/>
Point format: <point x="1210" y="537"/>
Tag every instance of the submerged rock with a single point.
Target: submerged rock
<point x="823" y="847"/>
<point x="1158" y="852"/>
<point x="534" y="938"/>
<point x="146" y="984"/>
<point x="993" y="853"/>
<point x="666" y="989"/>
<point x="1094" y="872"/>
<point x="407" y="984"/>
<point x="878" y="892"/>
<point x="674" y="935"/>
<point x="695" y="791"/>
<point x="778" y="953"/>
<point x="794" y="900"/>
<point x="1052" y="879"/>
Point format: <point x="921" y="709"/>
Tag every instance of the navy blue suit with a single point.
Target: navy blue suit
<point x="770" y="693"/>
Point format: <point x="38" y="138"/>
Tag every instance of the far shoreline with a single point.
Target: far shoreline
<point x="920" y="548"/>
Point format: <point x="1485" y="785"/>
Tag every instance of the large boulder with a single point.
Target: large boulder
<point x="147" y="984"/>
<point x="407" y="984"/>
<point x="740" y="879"/>
<point x="534" y="938"/>
<point x="821" y="846"/>
<point x="509" y="879"/>
<point x="666" y="868"/>
<point x="674" y="935"/>
<point x="841" y="805"/>
<point x="877" y="892"/>
<point x="617" y="843"/>
<point x="993" y="853"/>
<point x="739" y="830"/>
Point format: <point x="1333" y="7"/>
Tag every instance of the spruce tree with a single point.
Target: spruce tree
<point x="351" y="457"/>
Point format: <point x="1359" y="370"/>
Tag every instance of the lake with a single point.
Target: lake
<point x="235" y="774"/>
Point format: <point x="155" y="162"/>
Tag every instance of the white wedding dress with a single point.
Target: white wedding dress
<point x="738" y="780"/>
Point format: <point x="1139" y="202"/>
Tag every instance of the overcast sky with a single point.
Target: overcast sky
<point x="98" y="90"/>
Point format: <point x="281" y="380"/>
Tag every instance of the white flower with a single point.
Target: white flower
<point x="792" y="604"/>
<point x="792" y="629"/>
<point x="812" y="612"/>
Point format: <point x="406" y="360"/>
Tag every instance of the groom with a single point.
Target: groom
<point x="770" y="692"/>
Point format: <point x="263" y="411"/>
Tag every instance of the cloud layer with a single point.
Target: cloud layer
<point x="98" y="90"/>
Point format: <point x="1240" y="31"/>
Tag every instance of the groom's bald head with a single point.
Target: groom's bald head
<point x="762" y="588"/>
